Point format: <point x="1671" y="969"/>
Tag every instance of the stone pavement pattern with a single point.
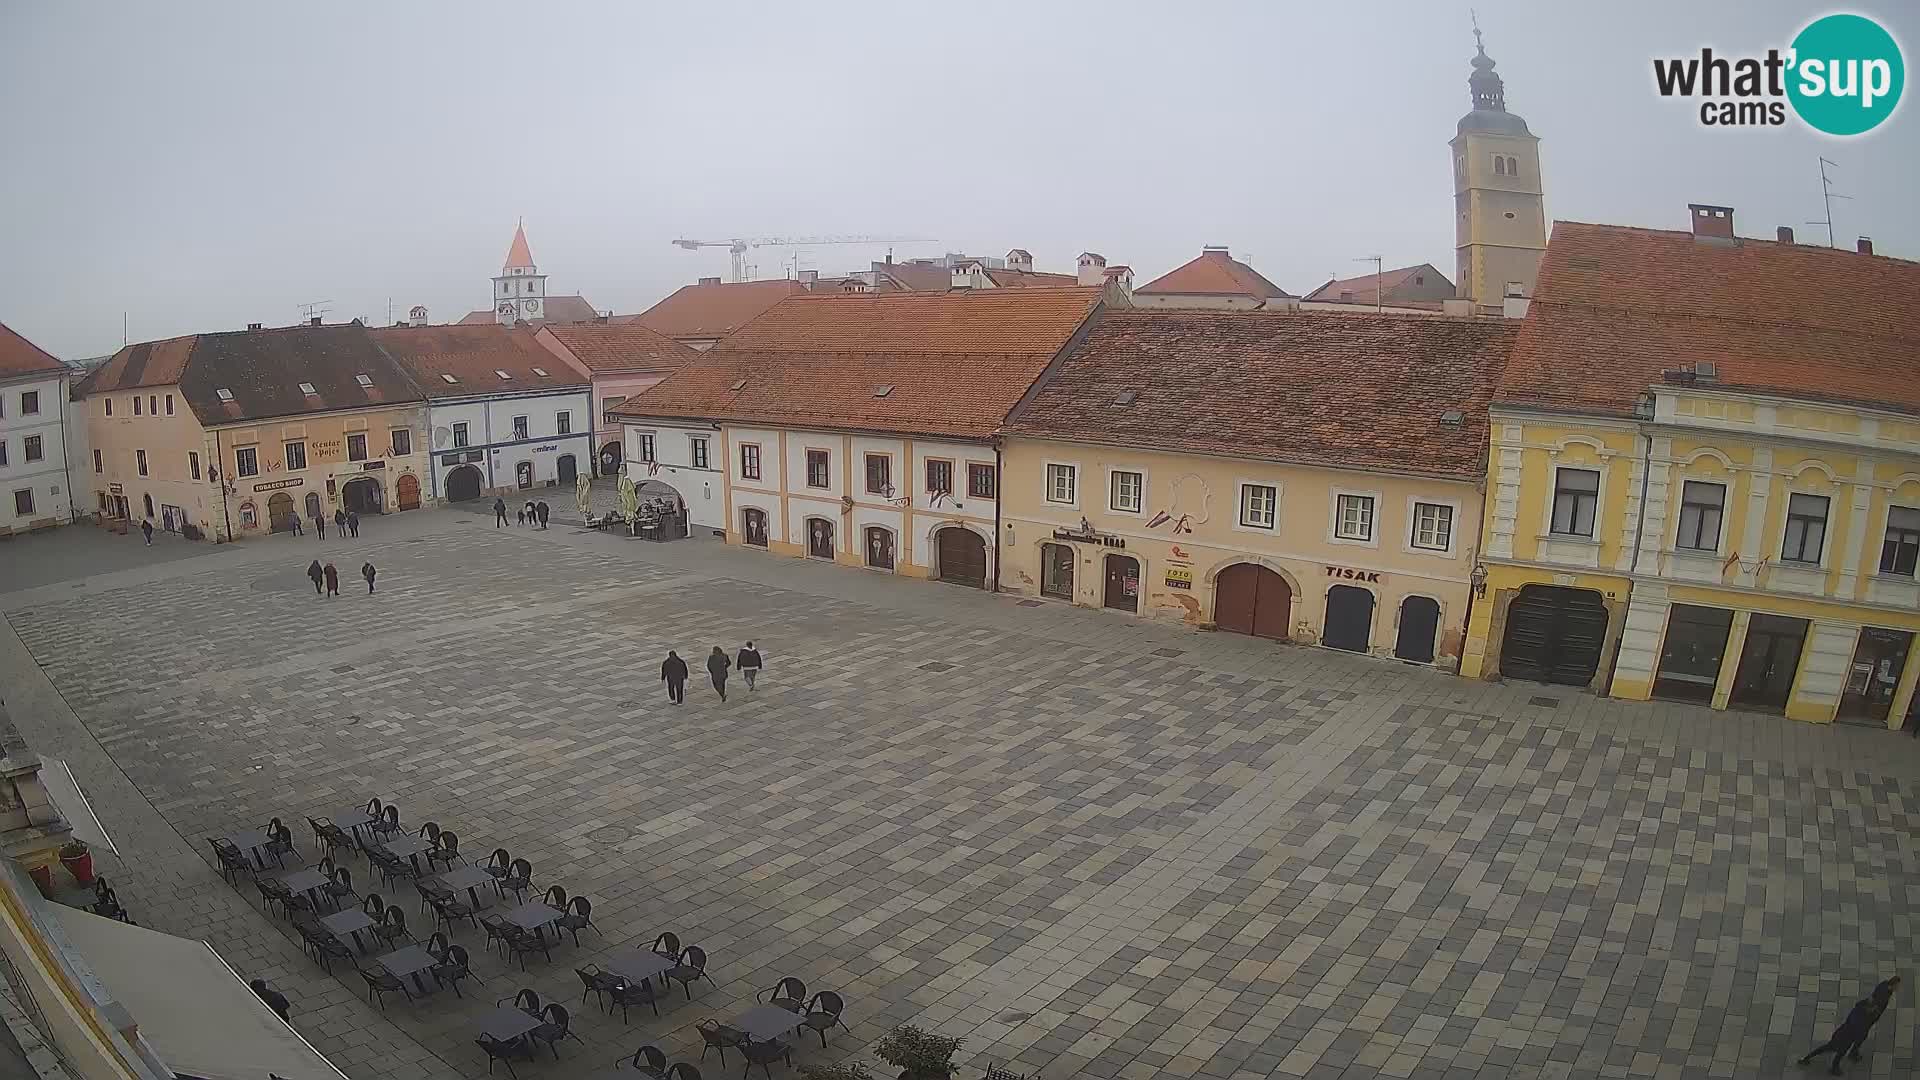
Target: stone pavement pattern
<point x="1095" y="847"/>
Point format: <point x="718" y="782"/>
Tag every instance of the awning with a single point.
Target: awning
<point x="64" y="790"/>
<point x="195" y="1011"/>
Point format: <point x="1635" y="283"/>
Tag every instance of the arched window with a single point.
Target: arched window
<point x="1499" y="165"/>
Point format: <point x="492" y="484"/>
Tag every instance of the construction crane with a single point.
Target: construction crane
<point x="738" y="247"/>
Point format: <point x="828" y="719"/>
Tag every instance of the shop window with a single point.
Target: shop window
<point x="1690" y="657"/>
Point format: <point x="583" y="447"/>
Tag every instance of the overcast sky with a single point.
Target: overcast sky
<point x="201" y="166"/>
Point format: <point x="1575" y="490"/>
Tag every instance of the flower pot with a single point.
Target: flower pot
<point x="80" y="866"/>
<point x="43" y="877"/>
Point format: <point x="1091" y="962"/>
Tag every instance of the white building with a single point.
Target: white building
<point x="34" y="489"/>
<point x="505" y="414"/>
<point x="520" y="295"/>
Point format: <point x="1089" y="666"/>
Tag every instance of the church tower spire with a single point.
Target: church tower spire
<point x="520" y="290"/>
<point x="1500" y="226"/>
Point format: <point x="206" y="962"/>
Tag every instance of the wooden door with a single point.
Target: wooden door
<point x="753" y="524"/>
<point x="1349" y="619"/>
<point x="279" y="512"/>
<point x="1768" y="661"/>
<point x="1123" y="583"/>
<point x="963" y="557"/>
<point x="820" y="538"/>
<point x="879" y="548"/>
<point x="1554" y="635"/>
<point x="1272" y="607"/>
<point x="407" y="491"/>
<point x="313" y="505"/>
<point x="1252" y="599"/>
<point x="1419" y="622"/>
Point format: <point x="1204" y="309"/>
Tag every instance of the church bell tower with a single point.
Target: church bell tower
<point x="520" y="292"/>
<point x="1500" y="221"/>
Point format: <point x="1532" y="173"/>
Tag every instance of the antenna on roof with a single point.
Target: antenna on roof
<point x="316" y="308"/>
<point x="1379" y="262"/>
<point x="1827" y="195"/>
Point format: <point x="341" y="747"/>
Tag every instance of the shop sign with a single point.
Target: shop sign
<point x="1348" y="573"/>
<point x="370" y="466"/>
<point x="545" y="449"/>
<point x="449" y="459"/>
<point x="1178" y="555"/>
<point x="1179" y="577"/>
<point x="274" y="484"/>
<point x="1085" y="535"/>
<point x="117" y="489"/>
<point x="325" y="450"/>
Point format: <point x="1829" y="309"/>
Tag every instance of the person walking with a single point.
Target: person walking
<point x="717" y="665"/>
<point x="314" y="574"/>
<point x="530" y="518"/>
<point x="749" y="663"/>
<point x="320" y="526"/>
<point x="367" y="571"/>
<point x="340" y="522"/>
<point x="146" y="530"/>
<point x="522" y="515"/>
<point x="1881" y="999"/>
<point x="674" y="674"/>
<point x="275" y="1000"/>
<point x="1846" y="1038"/>
<point x="499" y="512"/>
<point x="543" y="514"/>
<point x="353" y="524"/>
<point x="333" y="580"/>
<point x="295" y="518"/>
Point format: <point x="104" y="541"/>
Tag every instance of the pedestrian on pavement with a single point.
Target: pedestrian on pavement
<point x="543" y="514"/>
<point x="146" y="530"/>
<point x="333" y="580"/>
<point x="1847" y="1037"/>
<point x="522" y="515"/>
<point x="367" y="571"/>
<point x="295" y="518"/>
<point x="340" y="522"/>
<point x="530" y="518"/>
<point x="1882" y="1000"/>
<point x="353" y="524"/>
<point x="314" y="573"/>
<point x="275" y="1000"/>
<point x="749" y="664"/>
<point x="499" y="512"/>
<point x="320" y="526"/>
<point x="717" y="665"/>
<point x="674" y="674"/>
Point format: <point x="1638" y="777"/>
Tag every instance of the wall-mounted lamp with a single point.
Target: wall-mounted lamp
<point x="1479" y="581"/>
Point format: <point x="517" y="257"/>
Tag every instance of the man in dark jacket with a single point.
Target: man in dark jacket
<point x="275" y="1000"/>
<point x="340" y="522"/>
<point x="314" y="574"/>
<point x="1881" y="999"/>
<point x="749" y="664"/>
<point x="717" y="667"/>
<point x="499" y="512"/>
<point x="333" y="580"/>
<point x="367" y="571"/>
<point x="353" y="524"/>
<point x="1847" y="1037"/>
<point x="542" y="508"/>
<point x="674" y="674"/>
<point x="320" y="526"/>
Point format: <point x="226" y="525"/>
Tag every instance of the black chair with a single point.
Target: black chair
<point x="789" y="994"/>
<point x="502" y="1051"/>
<point x="556" y="898"/>
<point x="430" y="832"/>
<point x="374" y="807"/>
<point x="429" y="893"/>
<point x="231" y="860"/>
<point x="526" y="999"/>
<point x="437" y="945"/>
<point x="373" y="905"/>
<point x="578" y="918"/>
<point x="554" y="1028"/>
<point x="649" y="1060"/>
<point x="445" y="850"/>
<point x="667" y="944"/>
<point x="330" y="837"/>
<point x="393" y="926"/>
<point x="453" y="967"/>
<point x="339" y="884"/>
<point x="499" y="931"/>
<point x="327" y="948"/>
<point x="498" y="862"/>
<point x="598" y="983"/>
<point x="683" y="1071"/>
<point x="523" y="942"/>
<point x="518" y="880"/>
<point x="387" y="822"/>
<point x="719" y="1036"/>
<point x="380" y="984"/>
<point x="632" y="993"/>
<point x="392" y="867"/>
<point x="823" y="1014"/>
<point x="764" y="1054"/>
<point x="106" y="903"/>
<point x="280" y="842"/>
<point x="273" y="892"/>
<point x="448" y="909"/>
<point x="692" y="967"/>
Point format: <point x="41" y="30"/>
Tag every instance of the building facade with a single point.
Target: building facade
<point x="35" y="492"/>
<point x="1693" y="499"/>
<point x="1352" y="525"/>
<point x="1500" y="222"/>
<point x="621" y="359"/>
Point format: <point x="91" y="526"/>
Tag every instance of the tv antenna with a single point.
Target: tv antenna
<point x="1379" y="271"/>
<point x="309" y="311"/>
<point x="1827" y="195"/>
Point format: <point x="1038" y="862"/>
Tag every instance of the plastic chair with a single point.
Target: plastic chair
<point x="789" y="994"/>
<point x="692" y="967"/>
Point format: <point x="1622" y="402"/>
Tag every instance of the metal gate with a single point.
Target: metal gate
<point x="1554" y="635"/>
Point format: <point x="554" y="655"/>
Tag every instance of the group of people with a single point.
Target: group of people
<point x="1852" y="1032"/>
<point x="534" y="513"/>
<point x="673" y="671"/>
<point x="345" y="522"/>
<point x="331" y="577"/>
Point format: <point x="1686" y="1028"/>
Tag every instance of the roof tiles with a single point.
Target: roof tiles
<point x="1214" y="273"/>
<point x="713" y="311"/>
<point x="623" y="348"/>
<point x="18" y="356"/>
<point x="474" y="356"/>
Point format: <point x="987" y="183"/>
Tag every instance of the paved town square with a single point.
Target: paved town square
<point x="1091" y="845"/>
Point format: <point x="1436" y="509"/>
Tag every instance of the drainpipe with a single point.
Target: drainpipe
<point x="1633" y="564"/>
<point x="486" y="430"/>
<point x="999" y="492"/>
<point x="221" y="463"/>
<point x="66" y="461"/>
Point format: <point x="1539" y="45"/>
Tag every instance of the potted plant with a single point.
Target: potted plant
<point x="845" y="1070"/>
<point x="921" y="1055"/>
<point x="78" y="860"/>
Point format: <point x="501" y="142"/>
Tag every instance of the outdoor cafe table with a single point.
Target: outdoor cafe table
<point x="533" y="915"/>
<point x="638" y="965"/>
<point x="411" y="960"/>
<point x="410" y="846"/>
<point x="353" y="819"/>
<point x="350" y="921"/>
<point x="252" y="840"/>
<point x="766" y="1021"/>
<point x="507" y="1023"/>
<point x="469" y="878"/>
<point x="304" y="881"/>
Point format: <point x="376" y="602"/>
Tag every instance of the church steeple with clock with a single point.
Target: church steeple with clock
<point x="520" y="292"/>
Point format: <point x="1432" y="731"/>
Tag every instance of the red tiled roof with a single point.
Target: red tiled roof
<point x="146" y="363"/>
<point x="474" y="355"/>
<point x="1214" y="273"/>
<point x="1364" y="288"/>
<point x="18" y="356"/>
<point x="1318" y="388"/>
<point x="1026" y="279"/>
<point x="622" y="348"/>
<point x="956" y="362"/>
<point x="1616" y="306"/>
<point x="714" y="311"/>
<point x="518" y="254"/>
<point x="559" y="309"/>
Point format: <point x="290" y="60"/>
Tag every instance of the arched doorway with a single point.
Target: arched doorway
<point x="963" y="556"/>
<point x="1056" y="571"/>
<point x="463" y="483"/>
<point x="1123" y="583"/>
<point x="523" y="474"/>
<point x="361" y="495"/>
<point x="820" y="538"/>
<point x="1419" y="624"/>
<point x="753" y="526"/>
<point x="567" y="469"/>
<point x="1349" y="619"/>
<point x="610" y="459"/>
<point x="1554" y="635"/>
<point x="1253" y="599"/>
<point x="280" y="512"/>
<point x="879" y="548"/>
<point x="407" y="492"/>
<point x="314" y="509"/>
<point x="146" y="501"/>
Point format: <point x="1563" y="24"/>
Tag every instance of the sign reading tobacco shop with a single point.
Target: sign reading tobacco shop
<point x="272" y="484"/>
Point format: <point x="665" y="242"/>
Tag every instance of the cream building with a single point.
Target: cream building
<point x="1305" y="477"/>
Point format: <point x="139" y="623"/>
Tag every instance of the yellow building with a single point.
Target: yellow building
<point x="1306" y="477"/>
<point x="226" y="435"/>
<point x="1704" y="476"/>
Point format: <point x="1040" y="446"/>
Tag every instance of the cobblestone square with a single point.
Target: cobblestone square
<point x="1092" y="846"/>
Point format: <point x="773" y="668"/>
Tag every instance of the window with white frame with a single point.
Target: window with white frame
<point x="699" y="447"/>
<point x="1806" y="529"/>
<point x="1432" y="526"/>
<point x="1127" y="491"/>
<point x="296" y="456"/>
<point x="519" y="427"/>
<point x="750" y="461"/>
<point x="1576" y="497"/>
<point x="1353" y="517"/>
<point x="1259" y="505"/>
<point x="1900" y="551"/>
<point x="819" y="469"/>
<point x="459" y="435"/>
<point x="1061" y="484"/>
<point x="1701" y="505"/>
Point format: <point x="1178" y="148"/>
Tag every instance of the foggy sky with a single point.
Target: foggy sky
<point x="202" y="166"/>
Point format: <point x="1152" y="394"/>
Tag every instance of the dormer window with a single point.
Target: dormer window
<point x="542" y="372"/>
<point x="502" y="374"/>
<point x="307" y="389"/>
<point x="738" y="385"/>
<point x="364" y="380"/>
<point x="448" y="379"/>
<point x="883" y="391"/>
<point x="223" y="394"/>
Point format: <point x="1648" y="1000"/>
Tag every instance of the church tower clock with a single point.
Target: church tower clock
<point x="520" y="292"/>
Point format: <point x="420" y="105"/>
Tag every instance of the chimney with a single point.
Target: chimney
<point x="1711" y="223"/>
<point x="1456" y="306"/>
<point x="315" y="321"/>
<point x="1865" y="245"/>
<point x="253" y="326"/>
<point x="1786" y="234"/>
<point x="709" y="281"/>
<point x="809" y="278"/>
<point x="1093" y="268"/>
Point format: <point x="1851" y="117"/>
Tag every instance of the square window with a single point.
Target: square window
<point x="140" y="461"/>
<point x="1806" y="529"/>
<point x="402" y="439"/>
<point x="750" y="462"/>
<point x="519" y="427"/>
<point x="981" y="482"/>
<point x="1259" y="505"/>
<point x="30" y="403"/>
<point x="1353" y="517"/>
<point x="1432" y="526"/>
<point x="23" y="501"/>
<point x="939" y="476"/>
<point x="296" y="456"/>
<point x="1701" y="507"/>
<point x="1126" y="491"/>
<point x="1576" y="497"/>
<point x="880" y="475"/>
<point x="459" y="435"/>
<point x="699" y="452"/>
<point x="34" y="452"/>
<point x="819" y="469"/>
<point x="307" y="389"/>
<point x="1061" y="484"/>
<point x="357" y="447"/>
<point x="246" y="462"/>
<point x="1901" y="550"/>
